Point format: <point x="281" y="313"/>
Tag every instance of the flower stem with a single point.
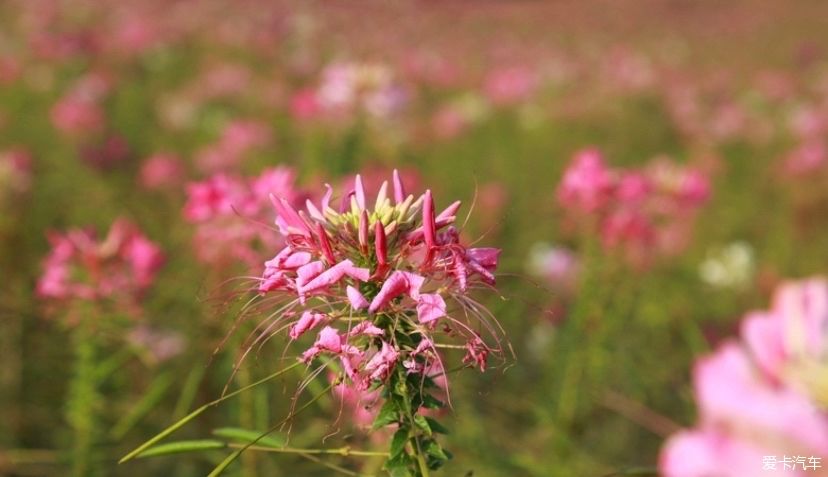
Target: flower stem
<point x="83" y="399"/>
<point x="421" y="462"/>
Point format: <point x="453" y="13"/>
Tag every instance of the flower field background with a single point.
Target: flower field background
<point x="652" y="174"/>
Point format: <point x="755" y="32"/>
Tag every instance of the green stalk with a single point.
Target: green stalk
<point x="421" y="462"/>
<point x="83" y="400"/>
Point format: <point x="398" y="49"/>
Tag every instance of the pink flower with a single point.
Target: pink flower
<point x="749" y="408"/>
<point x="587" y="183"/>
<point x="377" y="254"/>
<point x="76" y="115"/>
<point x="304" y="105"/>
<point x="120" y="267"/>
<point x="506" y="86"/>
<point x="230" y="214"/>
<point x="708" y="452"/>
<point x="380" y="365"/>
<point x="161" y="171"/>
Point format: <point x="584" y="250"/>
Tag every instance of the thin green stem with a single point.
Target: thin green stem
<point x="421" y="462"/>
<point x="343" y="451"/>
<point x="189" y="417"/>
<point x="83" y="399"/>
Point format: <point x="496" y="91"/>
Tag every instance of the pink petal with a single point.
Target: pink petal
<point x="358" y="301"/>
<point x="308" y="272"/>
<point x="359" y="189"/>
<point x="297" y="259"/>
<point x="399" y="188"/>
<point x="486" y="257"/>
<point x="307" y="322"/>
<point x="430" y="307"/>
<point x="329" y="340"/>
<point x="289" y="221"/>
<point x="394" y="286"/>
<point x="366" y="328"/>
<point x="764" y="336"/>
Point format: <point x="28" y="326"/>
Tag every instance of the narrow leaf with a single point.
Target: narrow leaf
<point x="245" y="436"/>
<point x="436" y="426"/>
<point x="398" y="442"/>
<point x="181" y="447"/>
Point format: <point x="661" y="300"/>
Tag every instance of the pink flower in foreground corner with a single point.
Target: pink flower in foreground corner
<point x="120" y="267"/>
<point x="390" y="279"/>
<point x="763" y="398"/>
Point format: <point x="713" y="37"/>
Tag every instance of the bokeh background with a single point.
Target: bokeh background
<point x="112" y="109"/>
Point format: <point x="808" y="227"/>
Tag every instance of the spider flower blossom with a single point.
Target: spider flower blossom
<point x="378" y="278"/>
<point x="762" y="397"/>
<point x="636" y="210"/>
<point x="229" y="213"/>
<point x="121" y="267"/>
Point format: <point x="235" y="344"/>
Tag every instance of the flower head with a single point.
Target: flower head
<point x="120" y="267"/>
<point x="382" y="273"/>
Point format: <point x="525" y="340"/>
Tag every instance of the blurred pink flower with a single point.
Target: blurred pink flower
<point x="587" y="183"/>
<point x="510" y="85"/>
<point x="232" y="214"/>
<point x="75" y="115"/>
<point x="121" y="266"/>
<point x="161" y="171"/>
<point x="754" y="404"/>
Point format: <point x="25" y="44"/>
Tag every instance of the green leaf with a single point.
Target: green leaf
<point x="181" y="447"/>
<point x="398" y="466"/>
<point x="433" y="449"/>
<point x="189" y="417"/>
<point x="431" y="402"/>
<point x="161" y="435"/>
<point x="387" y="415"/>
<point x="436" y="426"/>
<point x="398" y="441"/>
<point x="422" y="423"/>
<point x="246" y="436"/>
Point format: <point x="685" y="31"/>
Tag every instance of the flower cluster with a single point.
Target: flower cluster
<point x="121" y="267"/>
<point x="229" y="213"/>
<point x="377" y="282"/>
<point x="634" y="209"/>
<point x="764" y="396"/>
<point x="396" y="258"/>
